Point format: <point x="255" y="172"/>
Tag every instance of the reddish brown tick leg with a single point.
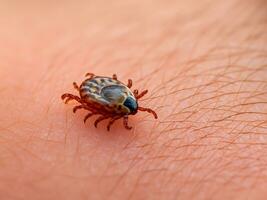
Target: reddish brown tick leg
<point x="79" y="107"/>
<point x="135" y="93"/>
<point x="88" y="116"/>
<point x="148" y="110"/>
<point x="71" y="97"/>
<point x="84" y="106"/>
<point x="75" y="85"/>
<point x="96" y="107"/>
<point x="130" y="83"/>
<point x="125" y="122"/>
<point x="91" y="75"/>
<point x="114" y="77"/>
<point x="112" y="121"/>
<point x="142" y="94"/>
<point x="99" y="119"/>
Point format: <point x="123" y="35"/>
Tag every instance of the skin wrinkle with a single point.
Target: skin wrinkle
<point x="109" y="166"/>
<point x="213" y="97"/>
<point x="116" y="184"/>
<point x="204" y="85"/>
<point x="189" y="145"/>
<point x="144" y="55"/>
<point x="235" y="128"/>
<point x="244" y="167"/>
<point x="140" y="175"/>
<point x="217" y="102"/>
<point x="20" y="166"/>
<point x="217" y="173"/>
<point x="206" y="179"/>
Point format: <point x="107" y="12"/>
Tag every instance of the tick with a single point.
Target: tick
<point x="107" y="97"/>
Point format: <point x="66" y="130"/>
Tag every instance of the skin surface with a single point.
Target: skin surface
<point x="204" y="64"/>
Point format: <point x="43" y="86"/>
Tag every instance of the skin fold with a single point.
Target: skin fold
<point x="204" y="64"/>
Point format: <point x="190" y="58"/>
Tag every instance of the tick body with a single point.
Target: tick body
<point x="107" y="97"/>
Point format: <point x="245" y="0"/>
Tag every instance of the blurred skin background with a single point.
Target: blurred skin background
<point x="204" y="64"/>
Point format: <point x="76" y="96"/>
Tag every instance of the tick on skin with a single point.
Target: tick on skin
<point x="107" y="97"/>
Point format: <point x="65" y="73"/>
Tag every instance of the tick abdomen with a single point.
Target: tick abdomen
<point x="92" y="89"/>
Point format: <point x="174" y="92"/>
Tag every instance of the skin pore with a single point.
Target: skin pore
<point x="204" y="64"/>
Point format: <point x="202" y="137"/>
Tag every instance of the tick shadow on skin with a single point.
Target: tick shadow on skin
<point x="98" y="141"/>
<point x="87" y="138"/>
<point x="117" y="130"/>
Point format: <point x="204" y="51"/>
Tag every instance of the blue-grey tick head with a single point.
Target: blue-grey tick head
<point x="131" y="104"/>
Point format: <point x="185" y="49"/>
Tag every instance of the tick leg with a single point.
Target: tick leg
<point x="130" y="83"/>
<point x="87" y="116"/>
<point x="135" y="93"/>
<point x="71" y="97"/>
<point x="148" y="110"/>
<point x="141" y="94"/>
<point x="114" y="76"/>
<point x="99" y="119"/>
<point x="79" y="107"/>
<point x="112" y="121"/>
<point x="75" y="85"/>
<point x="125" y="122"/>
<point x="84" y="106"/>
<point x="91" y="75"/>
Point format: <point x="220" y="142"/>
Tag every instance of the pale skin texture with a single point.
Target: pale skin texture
<point x="204" y="64"/>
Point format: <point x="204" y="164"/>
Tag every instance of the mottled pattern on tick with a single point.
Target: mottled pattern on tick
<point x="105" y="91"/>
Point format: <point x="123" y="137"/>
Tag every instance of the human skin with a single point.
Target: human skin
<point x="204" y="64"/>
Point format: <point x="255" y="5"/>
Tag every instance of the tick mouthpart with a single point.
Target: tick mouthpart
<point x="131" y="104"/>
